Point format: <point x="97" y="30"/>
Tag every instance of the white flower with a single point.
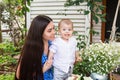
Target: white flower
<point x="87" y="78"/>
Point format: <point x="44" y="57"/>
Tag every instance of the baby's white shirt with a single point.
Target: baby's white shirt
<point x="64" y="53"/>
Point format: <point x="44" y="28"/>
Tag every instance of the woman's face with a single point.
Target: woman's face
<point x="49" y="32"/>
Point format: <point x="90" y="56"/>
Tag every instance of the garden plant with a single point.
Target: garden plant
<point x="99" y="58"/>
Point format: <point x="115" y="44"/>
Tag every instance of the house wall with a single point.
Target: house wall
<point x="97" y="28"/>
<point x="5" y="33"/>
<point x="56" y="10"/>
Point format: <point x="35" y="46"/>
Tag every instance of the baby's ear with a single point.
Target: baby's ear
<point x="59" y="31"/>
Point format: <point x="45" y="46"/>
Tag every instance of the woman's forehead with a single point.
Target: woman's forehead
<point x="50" y="25"/>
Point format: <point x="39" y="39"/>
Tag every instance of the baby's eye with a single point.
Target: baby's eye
<point x="69" y="29"/>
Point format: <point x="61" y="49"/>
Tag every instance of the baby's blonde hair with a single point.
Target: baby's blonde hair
<point x="65" y="21"/>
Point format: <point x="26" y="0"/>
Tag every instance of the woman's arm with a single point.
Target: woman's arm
<point x="18" y="71"/>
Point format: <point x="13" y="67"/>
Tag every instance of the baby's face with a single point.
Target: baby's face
<point x="66" y="31"/>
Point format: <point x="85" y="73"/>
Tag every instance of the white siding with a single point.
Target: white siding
<point x="5" y="35"/>
<point x="56" y="10"/>
<point x="97" y="27"/>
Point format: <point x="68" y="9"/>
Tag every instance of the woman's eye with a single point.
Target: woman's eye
<point x="49" y="30"/>
<point x="64" y="29"/>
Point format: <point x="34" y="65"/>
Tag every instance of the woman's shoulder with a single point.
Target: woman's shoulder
<point x="49" y="42"/>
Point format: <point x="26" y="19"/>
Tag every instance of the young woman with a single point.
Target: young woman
<point x="33" y="64"/>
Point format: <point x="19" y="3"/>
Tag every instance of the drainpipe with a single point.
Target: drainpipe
<point x="112" y="36"/>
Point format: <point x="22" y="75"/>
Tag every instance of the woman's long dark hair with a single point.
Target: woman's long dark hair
<point x="31" y="55"/>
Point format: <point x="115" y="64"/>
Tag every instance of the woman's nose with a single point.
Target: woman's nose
<point x="53" y="31"/>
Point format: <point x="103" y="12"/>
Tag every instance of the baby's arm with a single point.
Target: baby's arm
<point x="50" y="56"/>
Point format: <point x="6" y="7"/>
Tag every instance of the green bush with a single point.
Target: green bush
<point x="9" y="76"/>
<point x="7" y="52"/>
<point x="8" y="47"/>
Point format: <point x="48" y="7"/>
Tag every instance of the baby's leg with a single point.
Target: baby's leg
<point x="69" y="74"/>
<point x="59" y="75"/>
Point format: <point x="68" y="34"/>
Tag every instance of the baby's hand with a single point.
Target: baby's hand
<point x="79" y="59"/>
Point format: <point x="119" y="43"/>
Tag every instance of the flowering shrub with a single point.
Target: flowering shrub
<point x="98" y="58"/>
<point x="78" y="77"/>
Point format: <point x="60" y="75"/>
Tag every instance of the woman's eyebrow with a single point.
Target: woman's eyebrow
<point x="50" y="28"/>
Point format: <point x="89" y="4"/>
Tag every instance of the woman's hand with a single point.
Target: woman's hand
<point x="47" y="65"/>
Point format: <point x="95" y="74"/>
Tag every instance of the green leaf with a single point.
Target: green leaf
<point x="27" y="9"/>
<point x="69" y="3"/>
<point x="28" y="2"/>
<point x="103" y="15"/>
<point x="88" y="3"/>
<point x="100" y="15"/>
<point x="95" y="18"/>
<point x="81" y="1"/>
<point x="97" y="10"/>
<point x="86" y="12"/>
<point x="101" y="7"/>
<point x="98" y="0"/>
<point x="103" y="19"/>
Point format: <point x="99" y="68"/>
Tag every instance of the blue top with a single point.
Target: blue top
<point x="48" y="75"/>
